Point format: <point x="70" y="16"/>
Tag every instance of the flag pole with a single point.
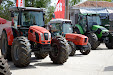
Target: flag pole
<point x="66" y="9"/>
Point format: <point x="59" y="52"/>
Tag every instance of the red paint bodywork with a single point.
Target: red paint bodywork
<point x="2" y="21"/>
<point x="77" y="39"/>
<point x="9" y="33"/>
<point x="38" y="30"/>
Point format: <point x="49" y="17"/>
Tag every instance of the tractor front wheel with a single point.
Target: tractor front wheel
<point x="93" y="40"/>
<point x="21" y="52"/>
<point x="59" y="53"/>
<point x="6" y="49"/>
<point x="86" y="52"/>
<point x="73" y="48"/>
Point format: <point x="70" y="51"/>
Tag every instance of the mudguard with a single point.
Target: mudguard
<point x="77" y="39"/>
<point x="10" y="36"/>
<point x="79" y="29"/>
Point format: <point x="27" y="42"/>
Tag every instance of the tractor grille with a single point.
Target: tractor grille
<point x="105" y="33"/>
<point x="46" y="36"/>
<point x="85" y="40"/>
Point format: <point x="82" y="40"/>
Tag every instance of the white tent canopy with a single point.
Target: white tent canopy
<point x="83" y="11"/>
<point x="110" y="10"/>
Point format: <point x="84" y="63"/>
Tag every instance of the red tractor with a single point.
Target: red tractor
<point x="63" y="27"/>
<point x="27" y="34"/>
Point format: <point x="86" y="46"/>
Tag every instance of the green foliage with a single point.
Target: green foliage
<point x="4" y="9"/>
<point x="73" y="2"/>
<point x="37" y="3"/>
<point x="49" y="14"/>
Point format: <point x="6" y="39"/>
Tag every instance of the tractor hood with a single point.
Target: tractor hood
<point x="100" y="31"/>
<point x="40" y="29"/>
<point x="96" y="27"/>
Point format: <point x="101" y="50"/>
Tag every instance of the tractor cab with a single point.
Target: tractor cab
<point x="24" y="17"/>
<point x="61" y="27"/>
<point x="88" y="20"/>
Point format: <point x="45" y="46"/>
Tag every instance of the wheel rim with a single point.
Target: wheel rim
<point x="4" y="46"/>
<point x="55" y="51"/>
<point x="16" y="52"/>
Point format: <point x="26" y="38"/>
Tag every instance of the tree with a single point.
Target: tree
<point x="73" y="2"/>
<point x="4" y="9"/>
<point x="49" y="14"/>
<point x="37" y="3"/>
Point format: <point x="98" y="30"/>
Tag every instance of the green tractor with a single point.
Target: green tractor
<point x="90" y="25"/>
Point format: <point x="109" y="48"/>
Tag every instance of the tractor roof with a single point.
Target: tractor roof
<point x="59" y="20"/>
<point x="25" y="8"/>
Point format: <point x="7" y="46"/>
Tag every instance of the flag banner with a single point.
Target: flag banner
<point x="60" y="9"/>
<point x="20" y="3"/>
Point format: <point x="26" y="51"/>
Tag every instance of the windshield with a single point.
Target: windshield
<point x="59" y="28"/>
<point x="93" y="20"/>
<point x="67" y="28"/>
<point x="30" y="18"/>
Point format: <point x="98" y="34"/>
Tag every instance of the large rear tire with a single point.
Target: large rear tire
<point x="86" y="52"/>
<point x="73" y="48"/>
<point x="6" y="49"/>
<point x="93" y="40"/>
<point x="21" y="52"/>
<point x="41" y="55"/>
<point x="4" y="67"/>
<point x="109" y="45"/>
<point x="59" y="54"/>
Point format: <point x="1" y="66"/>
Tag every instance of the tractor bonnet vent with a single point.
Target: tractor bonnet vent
<point x="46" y="36"/>
<point x="37" y="37"/>
<point x="85" y="40"/>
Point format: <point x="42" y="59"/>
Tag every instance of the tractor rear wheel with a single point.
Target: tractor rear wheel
<point x="93" y="40"/>
<point x="4" y="67"/>
<point x="109" y="45"/>
<point x="21" y="52"/>
<point x="86" y="52"/>
<point x="6" y="49"/>
<point x="73" y="48"/>
<point x="41" y="55"/>
<point x="59" y="53"/>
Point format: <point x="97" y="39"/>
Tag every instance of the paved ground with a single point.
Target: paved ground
<point x="98" y="62"/>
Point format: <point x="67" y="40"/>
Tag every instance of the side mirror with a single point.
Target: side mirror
<point x="12" y="14"/>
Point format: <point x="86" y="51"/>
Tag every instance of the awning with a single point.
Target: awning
<point x="110" y="10"/>
<point x="93" y="11"/>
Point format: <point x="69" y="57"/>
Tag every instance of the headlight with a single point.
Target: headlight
<point x="42" y="37"/>
<point x="49" y="36"/>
